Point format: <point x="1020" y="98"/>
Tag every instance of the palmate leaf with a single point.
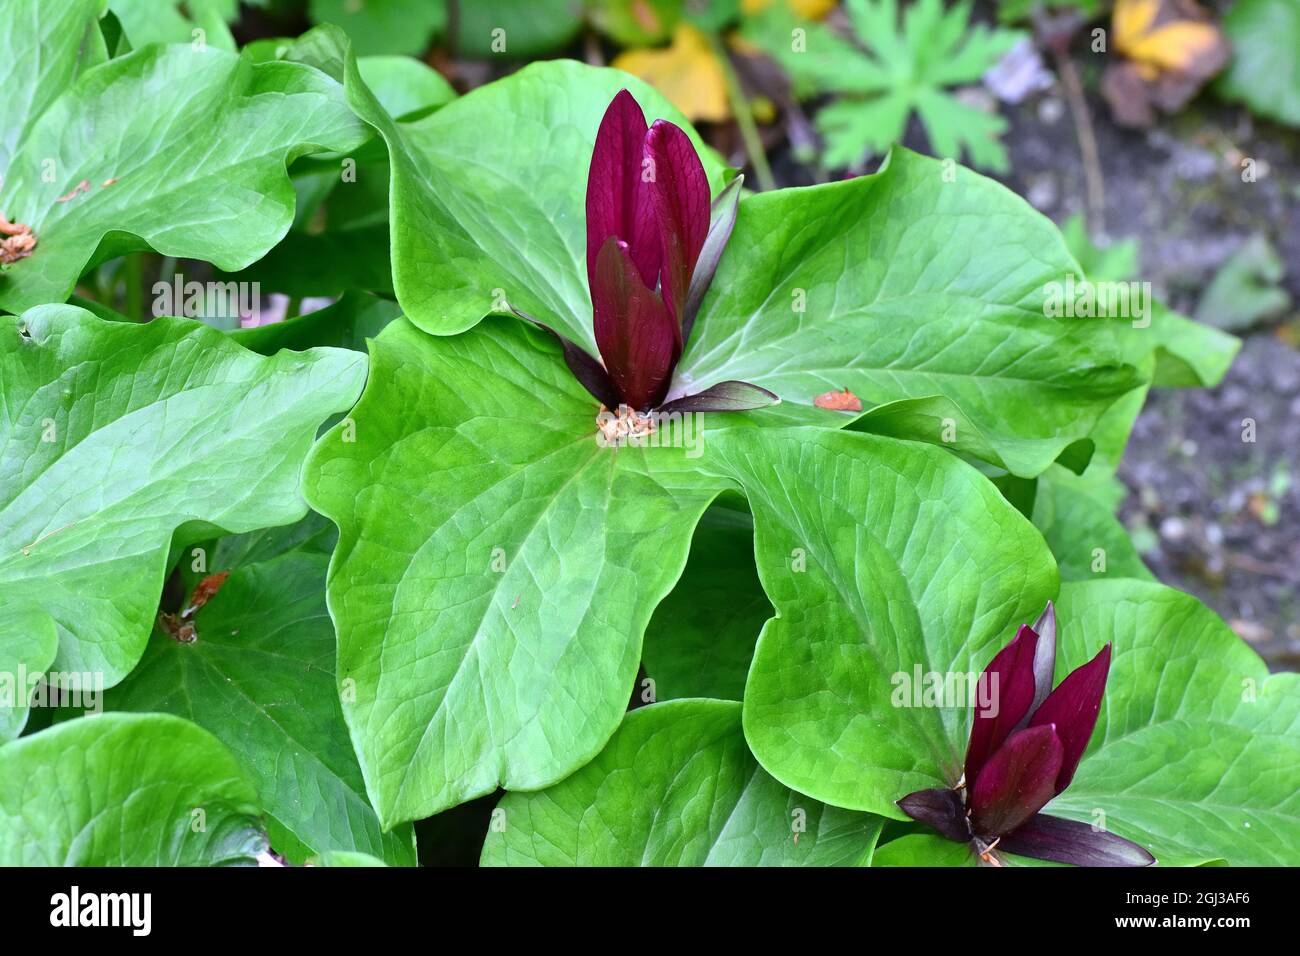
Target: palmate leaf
<point x="113" y="436"/>
<point x="676" y="786"/>
<point x="120" y="159"/>
<point x="904" y="66"/>
<point x="125" y="790"/>
<point x="260" y="678"/>
<point x="496" y="568"/>
<point x="908" y="286"/>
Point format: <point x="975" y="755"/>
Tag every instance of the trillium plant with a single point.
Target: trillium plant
<point x="513" y="516"/>
<point x="1023" y="751"/>
<point x="653" y="246"/>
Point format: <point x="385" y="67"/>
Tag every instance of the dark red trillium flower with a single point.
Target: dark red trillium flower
<point x="653" y="245"/>
<point x="1024" y="752"/>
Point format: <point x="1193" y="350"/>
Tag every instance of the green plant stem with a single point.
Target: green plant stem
<point x="740" y="108"/>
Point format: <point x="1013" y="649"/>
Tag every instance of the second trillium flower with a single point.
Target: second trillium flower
<point x="654" y="241"/>
<point x="1022" y="753"/>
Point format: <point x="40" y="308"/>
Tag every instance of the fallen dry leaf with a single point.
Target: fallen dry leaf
<point x="18" y="243"/>
<point x="807" y="9"/>
<point x="1170" y="48"/>
<point x="686" y="72"/>
<point x="844" y="401"/>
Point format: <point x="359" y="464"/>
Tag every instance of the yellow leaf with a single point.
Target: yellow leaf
<point x="1168" y="36"/>
<point x="1177" y="46"/>
<point x="808" y="9"/>
<point x="686" y="72"/>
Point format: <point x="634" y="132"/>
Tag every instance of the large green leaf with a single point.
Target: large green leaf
<point x="883" y="558"/>
<point x="28" y="645"/>
<point x="125" y="790"/>
<point x="45" y="46"/>
<point x="177" y="21"/>
<point x="676" y="786"/>
<point x="1196" y="754"/>
<point x="114" y="435"/>
<point x="121" y="160"/>
<point x="260" y="678"/>
<point x="496" y="568"/>
<point x="904" y="287"/>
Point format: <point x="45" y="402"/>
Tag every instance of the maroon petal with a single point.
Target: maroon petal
<point x="680" y="192"/>
<point x="586" y="369"/>
<point x="1017" y="781"/>
<point x="940" y="808"/>
<point x="1009" y="682"/>
<point x="1073" y="708"/>
<point x="1069" y="841"/>
<point x="724" y="397"/>
<point x="618" y="195"/>
<point x="636" y="336"/>
<point x="722" y="219"/>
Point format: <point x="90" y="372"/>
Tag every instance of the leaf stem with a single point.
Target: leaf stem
<point x="744" y="114"/>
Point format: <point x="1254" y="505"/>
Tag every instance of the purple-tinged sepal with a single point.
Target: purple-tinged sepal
<point x="1068" y="841"/>
<point x="941" y="809"/>
<point x="730" y="396"/>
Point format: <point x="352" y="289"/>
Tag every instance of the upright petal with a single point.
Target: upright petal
<point x="636" y="336"/>
<point x="941" y="809"/>
<point x="1073" y="708"/>
<point x="618" y="193"/>
<point x="1069" y="841"/>
<point x="1016" y="782"/>
<point x="1009" y="682"/>
<point x="1045" y="655"/>
<point x="680" y="192"/>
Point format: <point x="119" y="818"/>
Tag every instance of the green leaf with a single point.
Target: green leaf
<point x="28" y="645"/>
<point x="1264" y="72"/>
<point x="517" y="29"/>
<point x="496" y="568"/>
<point x="384" y="26"/>
<point x="405" y="87"/>
<point x="904" y="67"/>
<point x="676" y="786"/>
<point x="45" y="47"/>
<point x="926" y="298"/>
<point x="203" y="176"/>
<point x="924" y="849"/>
<point x="260" y="678"/>
<point x="1081" y="529"/>
<point x="883" y="558"/>
<point x="701" y="638"/>
<point x="125" y="790"/>
<point x="177" y="21"/>
<point x="115" y="435"/>
<point x="1196" y="751"/>
<point x="1248" y="288"/>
